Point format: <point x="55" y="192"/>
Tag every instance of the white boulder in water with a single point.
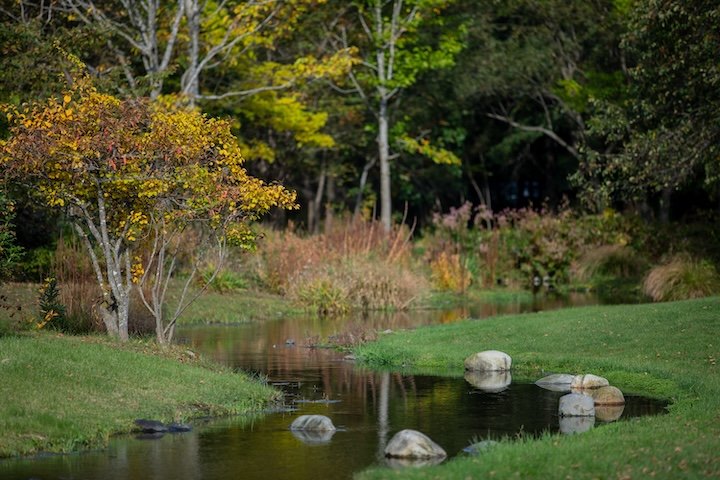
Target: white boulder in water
<point x="558" y="382"/>
<point x="582" y="382"/>
<point x="413" y="444"/>
<point x="317" y="423"/>
<point x="576" y="405"/>
<point x="488" y="361"/>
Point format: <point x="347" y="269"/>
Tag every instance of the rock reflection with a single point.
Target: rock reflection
<point x="314" y="437"/>
<point x="489" y="382"/>
<point x="572" y="425"/>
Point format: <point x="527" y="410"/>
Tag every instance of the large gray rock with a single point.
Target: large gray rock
<point x="576" y="405"/>
<point x="558" y="382"/>
<point x="583" y="382"/>
<point x="490" y="382"/>
<point x="488" y="361"/>
<point x="316" y="423"/>
<point x="413" y="444"/>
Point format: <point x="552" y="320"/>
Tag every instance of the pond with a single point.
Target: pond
<point x="368" y="408"/>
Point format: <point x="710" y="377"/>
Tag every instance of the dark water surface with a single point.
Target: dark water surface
<point x="368" y="407"/>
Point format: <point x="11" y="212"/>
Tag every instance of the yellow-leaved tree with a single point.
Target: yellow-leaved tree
<point x="132" y="175"/>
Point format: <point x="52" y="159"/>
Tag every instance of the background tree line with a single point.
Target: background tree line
<point x="381" y="107"/>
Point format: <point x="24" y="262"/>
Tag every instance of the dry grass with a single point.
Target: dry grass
<point x="682" y="278"/>
<point x="354" y="264"/>
<point x="612" y="260"/>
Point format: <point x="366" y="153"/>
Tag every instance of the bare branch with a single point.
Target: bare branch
<point x="530" y="128"/>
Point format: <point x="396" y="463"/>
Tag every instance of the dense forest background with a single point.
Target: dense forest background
<point x="408" y="111"/>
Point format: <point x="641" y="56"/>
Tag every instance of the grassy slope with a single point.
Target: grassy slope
<point x="65" y="393"/>
<point x="236" y="307"/>
<point x="663" y="350"/>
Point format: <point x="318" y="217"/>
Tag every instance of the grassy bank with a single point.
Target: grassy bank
<point x="62" y="393"/>
<point x="662" y="350"/>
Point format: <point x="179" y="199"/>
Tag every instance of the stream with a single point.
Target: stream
<point x="368" y="407"/>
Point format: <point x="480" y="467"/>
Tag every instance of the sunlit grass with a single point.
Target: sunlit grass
<point x="661" y="350"/>
<point x="62" y="393"/>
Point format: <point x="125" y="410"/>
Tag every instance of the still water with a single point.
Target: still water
<point x="368" y="408"/>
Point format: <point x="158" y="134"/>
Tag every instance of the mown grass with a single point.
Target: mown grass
<point x="62" y="393"/>
<point x="660" y="350"/>
<point x="237" y="307"/>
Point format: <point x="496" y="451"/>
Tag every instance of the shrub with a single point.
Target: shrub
<point x="450" y="272"/>
<point x="682" y="278"/>
<point x="52" y="311"/>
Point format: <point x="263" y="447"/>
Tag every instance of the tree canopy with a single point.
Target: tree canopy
<point x="131" y="170"/>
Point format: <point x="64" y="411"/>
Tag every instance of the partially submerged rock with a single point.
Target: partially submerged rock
<point x="411" y="444"/>
<point x="490" y="382"/>
<point x="608" y="396"/>
<point x="317" y="423"/>
<point x="479" y="447"/>
<point x="488" y="361"/>
<point x="179" y="427"/>
<point x="576" y="405"/>
<point x="151" y="426"/>
<point x="155" y="426"/>
<point x="557" y="382"/>
<point x="583" y="382"/>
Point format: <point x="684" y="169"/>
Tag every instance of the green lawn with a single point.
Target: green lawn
<point x="62" y="393"/>
<point x="662" y="350"/>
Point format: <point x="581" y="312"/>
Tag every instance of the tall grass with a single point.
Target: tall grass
<point x="80" y="292"/>
<point x="609" y="260"/>
<point x="682" y="278"/>
<point x="353" y="264"/>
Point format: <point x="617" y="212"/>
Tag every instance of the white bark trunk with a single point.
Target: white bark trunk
<point x="384" y="157"/>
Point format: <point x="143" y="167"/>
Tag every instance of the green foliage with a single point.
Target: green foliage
<point x="10" y="253"/>
<point x="519" y="245"/>
<point x="224" y="281"/>
<point x="52" y="311"/>
<point x="665" y="136"/>
<point x="321" y="295"/>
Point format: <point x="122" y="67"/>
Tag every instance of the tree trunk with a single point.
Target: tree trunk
<point x="665" y="205"/>
<point x="363" y="181"/>
<point x="384" y="156"/>
<point x="190" y="78"/>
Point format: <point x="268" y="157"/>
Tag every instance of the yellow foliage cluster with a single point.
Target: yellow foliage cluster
<point x="449" y="273"/>
<point x="127" y="162"/>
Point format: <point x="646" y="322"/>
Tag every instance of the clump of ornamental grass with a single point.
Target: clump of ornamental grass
<point x="354" y="264"/>
<point x="619" y="261"/>
<point x="360" y="283"/>
<point x="683" y="277"/>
